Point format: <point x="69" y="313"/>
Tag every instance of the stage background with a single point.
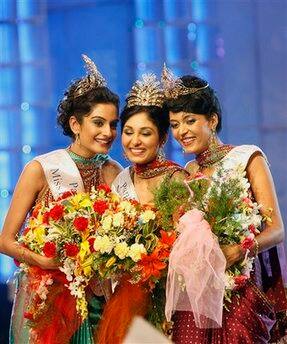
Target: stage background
<point x="239" y="46"/>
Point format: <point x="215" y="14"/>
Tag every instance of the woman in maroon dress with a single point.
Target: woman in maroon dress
<point x="253" y="317"/>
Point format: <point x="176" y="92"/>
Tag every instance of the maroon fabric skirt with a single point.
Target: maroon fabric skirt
<point x="249" y="320"/>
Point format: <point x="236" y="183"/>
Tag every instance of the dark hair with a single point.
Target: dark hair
<point x="158" y="116"/>
<point x="82" y="105"/>
<point x="203" y="102"/>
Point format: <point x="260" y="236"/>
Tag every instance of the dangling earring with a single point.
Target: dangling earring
<point x="78" y="142"/>
<point x="161" y="153"/>
<point x="212" y="141"/>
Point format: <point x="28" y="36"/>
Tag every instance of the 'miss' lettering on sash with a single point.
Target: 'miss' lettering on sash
<point x="61" y="172"/>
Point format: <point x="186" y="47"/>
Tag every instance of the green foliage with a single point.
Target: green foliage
<point x="168" y="197"/>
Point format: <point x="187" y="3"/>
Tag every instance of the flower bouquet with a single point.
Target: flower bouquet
<point x="94" y="235"/>
<point x="221" y="209"/>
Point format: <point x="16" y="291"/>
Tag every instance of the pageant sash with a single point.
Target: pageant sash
<point x="61" y="172"/>
<point x="123" y="185"/>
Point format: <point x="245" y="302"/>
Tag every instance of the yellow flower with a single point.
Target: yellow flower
<point x="103" y="244"/>
<point x="87" y="266"/>
<point x="82" y="307"/>
<point x="118" y="219"/>
<point x="111" y="261"/>
<point x="107" y="222"/>
<point x="127" y="207"/>
<point x="121" y="250"/>
<point x="39" y="235"/>
<point x="84" y="250"/>
<point x="115" y="198"/>
<point x="147" y="215"/>
<point x="80" y="200"/>
<point x="136" y="250"/>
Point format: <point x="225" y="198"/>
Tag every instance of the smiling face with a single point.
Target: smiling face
<point x="97" y="131"/>
<point x="140" y="139"/>
<point x="192" y="131"/>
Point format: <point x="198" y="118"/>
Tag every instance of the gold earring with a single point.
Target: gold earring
<point x="78" y="139"/>
<point x="161" y="153"/>
<point x="212" y="141"/>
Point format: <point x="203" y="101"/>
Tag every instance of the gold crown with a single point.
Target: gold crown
<point x="92" y="80"/>
<point x="146" y="92"/>
<point x="173" y="87"/>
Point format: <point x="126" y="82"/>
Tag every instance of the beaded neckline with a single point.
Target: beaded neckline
<point x="154" y="168"/>
<point x="212" y="156"/>
<point x="98" y="159"/>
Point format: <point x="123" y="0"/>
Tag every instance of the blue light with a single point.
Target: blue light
<point x="25" y="106"/>
<point x="26" y="149"/>
<point x="194" y="65"/>
<point x="192" y="27"/>
<point x="191" y="36"/>
<point x="141" y="66"/>
<point x="139" y="23"/>
<point x="4" y="193"/>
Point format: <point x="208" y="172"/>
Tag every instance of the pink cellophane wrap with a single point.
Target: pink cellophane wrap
<point x="195" y="280"/>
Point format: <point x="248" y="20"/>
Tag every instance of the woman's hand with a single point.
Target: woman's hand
<point x="47" y="263"/>
<point x="233" y="253"/>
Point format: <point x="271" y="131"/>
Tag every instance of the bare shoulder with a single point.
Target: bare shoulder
<point x="257" y="163"/>
<point x="32" y="178"/>
<point x="110" y="170"/>
<point x="33" y="171"/>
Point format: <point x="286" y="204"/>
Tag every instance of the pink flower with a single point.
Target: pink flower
<point x="248" y="202"/>
<point x="252" y="229"/>
<point x="248" y="242"/>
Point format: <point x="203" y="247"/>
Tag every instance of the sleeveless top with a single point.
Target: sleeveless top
<point x="270" y="266"/>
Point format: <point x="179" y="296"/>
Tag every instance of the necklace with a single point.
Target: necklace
<point x="154" y="168"/>
<point x="98" y="159"/>
<point x="212" y="156"/>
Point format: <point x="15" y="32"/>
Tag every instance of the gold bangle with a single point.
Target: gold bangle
<point x="22" y="254"/>
<point x="255" y="248"/>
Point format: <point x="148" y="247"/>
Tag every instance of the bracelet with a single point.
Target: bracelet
<point x="255" y="248"/>
<point x="22" y="254"/>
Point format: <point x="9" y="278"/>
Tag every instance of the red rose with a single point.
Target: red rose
<point x="57" y="212"/>
<point x="81" y="223"/>
<point x="65" y="195"/>
<point x="46" y="216"/>
<point x="104" y="187"/>
<point x="28" y="315"/>
<point x="252" y="229"/>
<point x="240" y="280"/>
<point x="247" y="243"/>
<point x="49" y="249"/>
<point x="100" y="207"/>
<point x="71" y="249"/>
<point x="91" y="243"/>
